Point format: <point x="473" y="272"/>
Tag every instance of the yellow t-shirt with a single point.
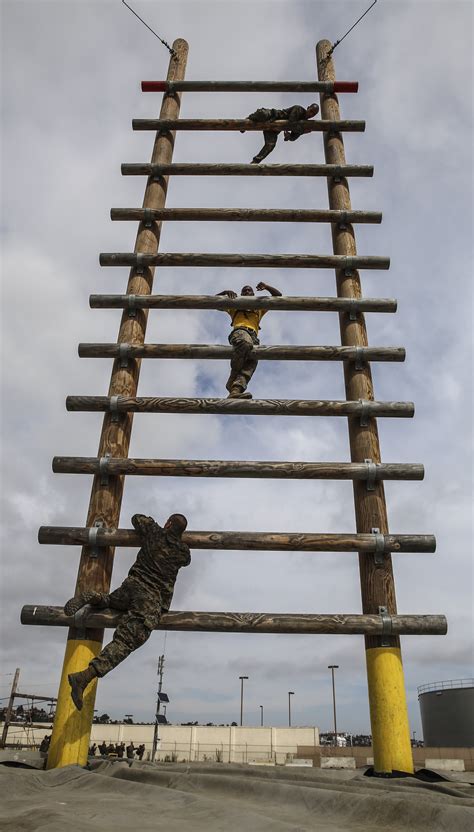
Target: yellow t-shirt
<point x="246" y="317"/>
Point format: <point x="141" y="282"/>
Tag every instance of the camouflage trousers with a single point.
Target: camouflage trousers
<point x="143" y="613"/>
<point x="270" y="136"/>
<point x="243" y="362"/>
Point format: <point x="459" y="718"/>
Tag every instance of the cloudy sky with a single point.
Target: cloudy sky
<point x="71" y="85"/>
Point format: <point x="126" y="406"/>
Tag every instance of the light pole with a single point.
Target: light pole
<point x="242" y="697"/>
<point x="261" y="715"/>
<point x="290" y="694"/>
<point x="332" y="668"/>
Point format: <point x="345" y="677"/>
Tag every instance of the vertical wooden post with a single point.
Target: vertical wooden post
<point x="9" y="711"/>
<point x="388" y="710"/>
<point x="71" y="731"/>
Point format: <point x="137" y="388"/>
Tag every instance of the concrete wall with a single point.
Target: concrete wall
<point x="448" y="758"/>
<point x="447" y="716"/>
<point x="195" y="742"/>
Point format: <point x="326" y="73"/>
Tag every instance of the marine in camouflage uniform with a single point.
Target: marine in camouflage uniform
<point x="243" y="338"/>
<point x="295" y="113"/>
<point x="143" y="596"/>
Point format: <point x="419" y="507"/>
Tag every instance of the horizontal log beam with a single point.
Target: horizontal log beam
<point x="253" y="407"/>
<point x="250" y="86"/>
<point x="220" y="169"/>
<point x="310" y="126"/>
<point x="249" y="541"/>
<point x="245" y="261"/>
<point x="249" y="622"/>
<point x="217" y="351"/>
<point x="290" y="304"/>
<point x="244" y="215"/>
<point x="237" y="468"/>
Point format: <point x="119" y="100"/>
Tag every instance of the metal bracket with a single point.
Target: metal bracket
<point x="103" y="469"/>
<point x="342" y="221"/>
<point x="386" y="626"/>
<point x="114" y="408"/>
<point x="353" y="311"/>
<point x="364" y="412"/>
<point x="371" y="475"/>
<point x="139" y="265"/>
<point x="359" y="362"/>
<point x="348" y="265"/>
<point x="147" y="218"/>
<point x="92" y="541"/>
<point x="379" y="550"/>
<point x="79" y="617"/>
<point x="131" y="306"/>
<point x="124" y="354"/>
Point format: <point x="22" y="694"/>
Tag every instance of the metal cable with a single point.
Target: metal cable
<point x="348" y="31"/>
<point x="171" y="51"/>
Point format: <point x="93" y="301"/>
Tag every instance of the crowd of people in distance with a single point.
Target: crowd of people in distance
<point x="118" y="749"/>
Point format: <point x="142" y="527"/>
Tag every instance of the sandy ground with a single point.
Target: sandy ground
<point x="206" y="797"/>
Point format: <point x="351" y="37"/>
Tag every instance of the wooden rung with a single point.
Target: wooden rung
<point x="253" y="407"/>
<point x="310" y="125"/>
<point x="250" y="622"/>
<point x="259" y="261"/>
<point x="109" y="466"/>
<point x="244" y="215"/>
<point x="249" y="541"/>
<point x="292" y="304"/>
<point x="328" y="87"/>
<point x="217" y="351"/>
<point x="197" y="169"/>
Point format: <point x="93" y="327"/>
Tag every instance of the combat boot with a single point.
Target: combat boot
<point x="238" y="393"/>
<point x="74" y="604"/>
<point x="79" y="682"/>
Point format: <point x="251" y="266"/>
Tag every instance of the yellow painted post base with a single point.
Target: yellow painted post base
<point x="388" y="711"/>
<point x="72" y="728"/>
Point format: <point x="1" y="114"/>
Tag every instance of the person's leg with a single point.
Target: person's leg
<point x="118" y="600"/>
<point x="241" y="362"/>
<point x="271" y="137"/>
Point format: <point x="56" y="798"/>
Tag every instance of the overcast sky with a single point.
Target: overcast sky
<point x="71" y="86"/>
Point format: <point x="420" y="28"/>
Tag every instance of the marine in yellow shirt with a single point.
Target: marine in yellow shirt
<point x="243" y="338"/>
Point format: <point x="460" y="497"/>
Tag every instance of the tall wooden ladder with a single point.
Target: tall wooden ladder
<point x="379" y="622"/>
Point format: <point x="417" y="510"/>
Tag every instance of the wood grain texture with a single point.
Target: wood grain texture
<point x="265" y="353"/>
<point x="105" y="500"/>
<point x="310" y="125"/>
<point x="246" y="86"/>
<point x="251" y="541"/>
<point x="236" y="468"/>
<point x="252" y="407"/>
<point x="219" y="169"/>
<point x="244" y="261"/>
<point x="248" y="622"/>
<point x="285" y="303"/>
<point x="245" y="215"/>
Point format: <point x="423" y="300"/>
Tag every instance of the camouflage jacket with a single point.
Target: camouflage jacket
<point x="160" y="558"/>
<point x="295" y="113"/>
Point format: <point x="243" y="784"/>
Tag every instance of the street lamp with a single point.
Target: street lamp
<point x="332" y="668"/>
<point x="242" y="697"/>
<point x="261" y="715"/>
<point x="290" y="694"/>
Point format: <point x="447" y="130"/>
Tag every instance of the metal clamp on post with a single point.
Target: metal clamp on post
<point x="371" y="475"/>
<point x="114" y="408"/>
<point x="337" y="175"/>
<point x="342" y="221"/>
<point x="348" y="265"/>
<point x="387" y="630"/>
<point x="379" y="550"/>
<point x="92" y="540"/>
<point x="359" y="362"/>
<point x="139" y="265"/>
<point x="353" y="310"/>
<point x="364" y="412"/>
<point x="103" y="469"/>
<point x="132" y="306"/>
<point x="124" y="354"/>
<point x="147" y="217"/>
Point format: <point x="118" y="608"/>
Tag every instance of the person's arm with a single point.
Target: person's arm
<point x="275" y="293"/>
<point x="227" y="293"/>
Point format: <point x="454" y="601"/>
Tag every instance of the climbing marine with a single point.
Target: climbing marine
<point x="143" y="596"/>
<point x="294" y="113"/>
<point x="243" y="338"/>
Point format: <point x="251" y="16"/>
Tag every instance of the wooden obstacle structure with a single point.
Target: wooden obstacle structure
<point x="379" y="622"/>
